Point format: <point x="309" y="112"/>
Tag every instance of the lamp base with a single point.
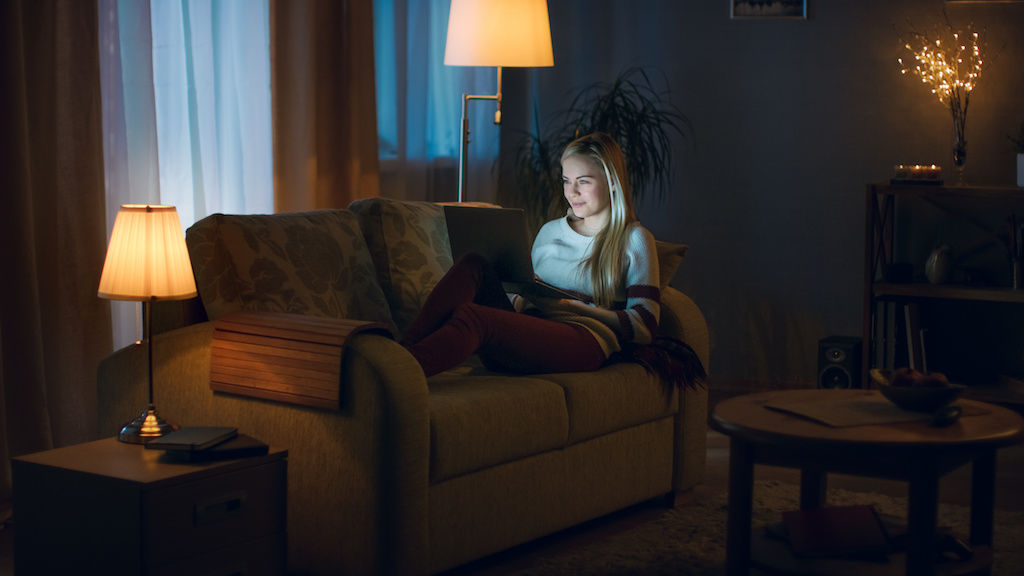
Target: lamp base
<point x="145" y="427"/>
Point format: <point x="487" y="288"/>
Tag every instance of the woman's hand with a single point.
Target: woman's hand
<point x="573" y="306"/>
<point x="577" y="307"/>
<point x="563" y="305"/>
<point x="554" y="304"/>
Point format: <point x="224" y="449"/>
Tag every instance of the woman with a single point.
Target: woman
<point x="598" y="251"/>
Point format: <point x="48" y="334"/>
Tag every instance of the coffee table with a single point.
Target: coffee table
<point x="916" y="452"/>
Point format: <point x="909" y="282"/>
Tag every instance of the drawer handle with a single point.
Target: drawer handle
<point x="216" y="510"/>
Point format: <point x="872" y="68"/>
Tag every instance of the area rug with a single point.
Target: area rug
<point x="690" y="539"/>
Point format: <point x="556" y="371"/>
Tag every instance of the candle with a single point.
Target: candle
<point x="917" y="172"/>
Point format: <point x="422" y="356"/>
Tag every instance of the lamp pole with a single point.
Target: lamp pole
<point x="464" y="144"/>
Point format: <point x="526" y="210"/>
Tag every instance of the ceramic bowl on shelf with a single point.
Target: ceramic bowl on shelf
<point x="924" y="393"/>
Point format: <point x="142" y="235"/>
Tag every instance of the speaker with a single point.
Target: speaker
<point x="839" y="362"/>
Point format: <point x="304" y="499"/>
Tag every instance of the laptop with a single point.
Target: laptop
<point x="499" y="234"/>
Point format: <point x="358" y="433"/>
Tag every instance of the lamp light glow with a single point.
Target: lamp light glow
<point x="146" y="261"/>
<point x="951" y="71"/>
<point x="147" y="258"/>
<point x="497" y="33"/>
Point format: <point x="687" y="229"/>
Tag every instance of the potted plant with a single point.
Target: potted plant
<point x="637" y="115"/>
<point x="1018" y="143"/>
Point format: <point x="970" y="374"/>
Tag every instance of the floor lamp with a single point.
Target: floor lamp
<point x="497" y="33"/>
<point x="147" y="261"/>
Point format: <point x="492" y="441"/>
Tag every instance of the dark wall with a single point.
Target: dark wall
<point x="791" y="119"/>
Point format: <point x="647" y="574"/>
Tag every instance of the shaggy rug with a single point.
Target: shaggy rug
<point x="690" y="539"/>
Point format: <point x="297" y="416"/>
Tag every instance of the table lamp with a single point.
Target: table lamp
<point x="495" y="33"/>
<point x="147" y="261"/>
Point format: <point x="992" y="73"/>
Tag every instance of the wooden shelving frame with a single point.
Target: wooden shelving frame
<point x="880" y="210"/>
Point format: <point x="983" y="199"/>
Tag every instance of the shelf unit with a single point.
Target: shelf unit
<point x="880" y="208"/>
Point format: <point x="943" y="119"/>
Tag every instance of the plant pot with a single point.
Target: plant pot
<point x="1020" y="169"/>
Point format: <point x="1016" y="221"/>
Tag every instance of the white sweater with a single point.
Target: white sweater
<point x="558" y="252"/>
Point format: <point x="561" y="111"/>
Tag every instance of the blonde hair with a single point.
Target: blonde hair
<point x="605" y="261"/>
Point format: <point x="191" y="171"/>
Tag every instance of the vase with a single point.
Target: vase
<point x="939" y="265"/>
<point x="959" y="152"/>
<point x="958" y="109"/>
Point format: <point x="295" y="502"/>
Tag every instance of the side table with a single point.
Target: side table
<point x="912" y="451"/>
<point x="107" y="507"/>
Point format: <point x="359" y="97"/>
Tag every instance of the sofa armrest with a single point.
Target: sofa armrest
<point x="682" y="319"/>
<point x="367" y="463"/>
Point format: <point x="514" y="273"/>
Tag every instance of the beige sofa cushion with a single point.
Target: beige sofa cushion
<point x="617" y="396"/>
<point x="408" y="242"/>
<point x="313" y="263"/>
<point x="481" y="420"/>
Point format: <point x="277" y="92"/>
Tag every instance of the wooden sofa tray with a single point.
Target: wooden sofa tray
<point x="285" y="357"/>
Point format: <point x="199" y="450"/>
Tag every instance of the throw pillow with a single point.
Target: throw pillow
<point x="408" y="242"/>
<point x="670" y="256"/>
<point x="314" y="263"/>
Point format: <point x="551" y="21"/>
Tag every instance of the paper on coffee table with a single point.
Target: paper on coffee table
<point x="844" y="410"/>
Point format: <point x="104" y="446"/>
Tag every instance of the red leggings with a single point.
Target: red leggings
<point x="468" y="312"/>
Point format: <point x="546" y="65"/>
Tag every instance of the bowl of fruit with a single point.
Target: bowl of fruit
<point x="916" y="391"/>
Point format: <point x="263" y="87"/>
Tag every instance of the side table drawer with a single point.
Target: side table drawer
<point x="225" y="510"/>
<point x="263" y="557"/>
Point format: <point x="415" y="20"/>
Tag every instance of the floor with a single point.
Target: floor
<point x="954" y="488"/>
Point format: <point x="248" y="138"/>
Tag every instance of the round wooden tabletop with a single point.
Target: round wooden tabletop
<point x="749" y="418"/>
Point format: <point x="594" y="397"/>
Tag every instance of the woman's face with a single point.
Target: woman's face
<point x="586" y="189"/>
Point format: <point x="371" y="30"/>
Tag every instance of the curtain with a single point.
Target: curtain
<point x="186" y="111"/>
<point x="324" y="112"/>
<point x="419" y="104"/>
<point x="53" y="328"/>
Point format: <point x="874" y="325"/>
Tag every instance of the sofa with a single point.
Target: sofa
<point x="411" y="475"/>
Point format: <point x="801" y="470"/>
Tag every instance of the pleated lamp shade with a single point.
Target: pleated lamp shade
<point x="147" y="258"/>
<point x="498" y="33"/>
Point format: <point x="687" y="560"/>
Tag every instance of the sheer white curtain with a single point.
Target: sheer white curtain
<point x="419" y="107"/>
<point x="186" y="111"/>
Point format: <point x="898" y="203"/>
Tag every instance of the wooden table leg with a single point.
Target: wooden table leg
<point x="813" y="487"/>
<point x="922" y="516"/>
<point x="741" y="499"/>
<point x="983" y="488"/>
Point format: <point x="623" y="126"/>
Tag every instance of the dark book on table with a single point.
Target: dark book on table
<point x="241" y="446"/>
<point x="193" y="438"/>
<point x="836" y="531"/>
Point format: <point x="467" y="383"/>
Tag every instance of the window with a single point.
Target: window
<point x="186" y="110"/>
<point x="419" y="103"/>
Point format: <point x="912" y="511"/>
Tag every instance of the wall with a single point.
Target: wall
<point x="791" y="119"/>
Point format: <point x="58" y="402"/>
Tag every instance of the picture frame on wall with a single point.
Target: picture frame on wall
<point x="768" y="9"/>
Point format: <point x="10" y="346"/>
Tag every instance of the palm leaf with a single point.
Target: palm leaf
<point x="642" y="120"/>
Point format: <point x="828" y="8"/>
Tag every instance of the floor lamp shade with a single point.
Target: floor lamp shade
<point x="147" y="258"/>
<point x="498" y="33"/>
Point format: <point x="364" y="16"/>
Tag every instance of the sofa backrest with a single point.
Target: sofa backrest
<point x="378" y="260"/>
<point x="314" y="263"/>
<point x="408" y="242"/>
